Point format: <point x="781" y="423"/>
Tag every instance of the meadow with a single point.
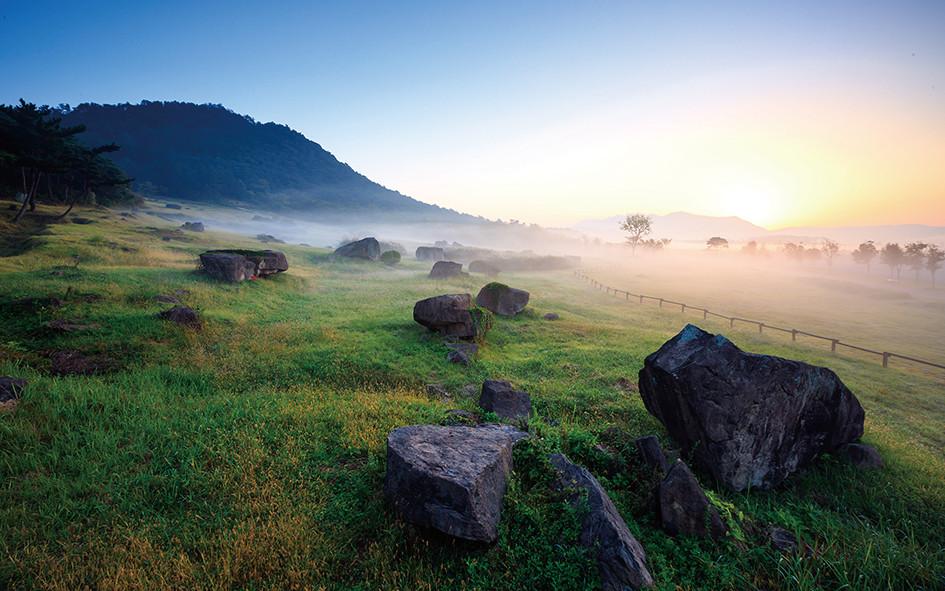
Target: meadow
<point x="250" y="454"/>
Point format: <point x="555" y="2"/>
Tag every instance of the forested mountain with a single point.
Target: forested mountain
<point x="207" y="153"/>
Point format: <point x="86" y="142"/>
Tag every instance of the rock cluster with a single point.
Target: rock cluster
<point x="234" y="266"/>
<point x="749" y="420"/>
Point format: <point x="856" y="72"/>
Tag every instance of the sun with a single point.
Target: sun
<point x="754" y="200"/>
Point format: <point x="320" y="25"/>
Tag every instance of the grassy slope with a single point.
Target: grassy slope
<point x="251" y="454"/>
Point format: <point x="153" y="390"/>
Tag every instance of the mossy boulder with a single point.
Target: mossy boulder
<point x="501" y="299"/>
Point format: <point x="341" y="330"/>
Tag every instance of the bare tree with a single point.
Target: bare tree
<point x="933" y="261"/>
<point x="865" y="253"/>
<point x="636" y="226"/>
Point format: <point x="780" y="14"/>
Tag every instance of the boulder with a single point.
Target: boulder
<point x="684" y="508"/>
<point x="498" y="396"/>
<point x="551" y="316"/>
<point x="621" y="560"/>
<point x="484" y="267"/>
<point x="75" y="363"/>
<point x="651" y="454"/>
<point x="429" y="253"/>
<point x="192" y="226"/>
<point x="502" y="299"/>
<point x="451" y="479"/>
<point x="181" y="315"/>
<point x="462" y="353"/>
<point x="458" y="357"/>
<point x="234" y="266"/>
<point x="61" y="325"/>
<point x="267" y="238"/>
<point x="11" y="388"/>
<point x="749" y="420"/>
<point x="450" y="315"/>
<point x="446" y="270"/>
<point x="366" y="248"/>
<point x="861" y="455"/>
<point x="782" y="540"/>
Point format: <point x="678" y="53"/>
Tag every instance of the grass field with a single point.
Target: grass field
<point x="250" y="455"/>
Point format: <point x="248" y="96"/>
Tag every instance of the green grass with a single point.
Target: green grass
<point x="250" y="455"/>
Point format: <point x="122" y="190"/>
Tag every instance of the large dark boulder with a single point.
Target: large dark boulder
<point x="502" y="299"/>
<point x="499" y="397"/>
<point x="451" y="315"/>
<point x="11" y="388"/>
<point x="621" y="560"/>
<point x="234" y="266"/>
<point x="452" y="478"/>
<point x="446" y="270"/>
<point x="684" y="508"/>
<point x="366" y="248"/>
<point x="749" y="420"/>
<point x="429" y="253"/>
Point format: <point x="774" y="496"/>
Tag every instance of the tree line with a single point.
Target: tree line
<point x="40" y="156"/>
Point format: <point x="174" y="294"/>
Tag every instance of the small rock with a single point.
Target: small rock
<point x="684" y="508"/>
<point x="82" y="221"/>
<point x="192" y="226"/>
<point x="74" y="363"/>
<point x="462" y="417"/>
<point x="551" y="316"/>
<point x="498" y="396"/>
<point x="366" y="248"/>
<point x="626" y="385"/>
<point x="172" y="206"/>
<point x="501" y="299"/>
<point x="861" y="455"/>
<point x="621" y="559"/>
<point x="651" y="453"/>
<point x="446" y="270"/>
<point x="470" y="390"/>
<point x="11" y="388"/>
<point x="782" y="540"/>
<point x="458" y="357"/>
<point x="181" y="315"/>
<point x="429" y="253"/>
<point x="437" y="391"/>
<point x="451" y="479"/>
<point x="70" y="325"/>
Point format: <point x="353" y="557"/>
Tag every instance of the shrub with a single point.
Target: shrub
<point x="390" y="257"/>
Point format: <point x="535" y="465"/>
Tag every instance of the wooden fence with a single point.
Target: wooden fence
<point x="683" y="307"/>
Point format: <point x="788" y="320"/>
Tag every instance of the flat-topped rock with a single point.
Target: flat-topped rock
<point x="446" y="270"/>
<point x="621" y="560"/>
<point x="499" y="397"/>
<point x="450" y="478"/>
<point x="749" y="420"/>
<point x="501" y="299"/>
<point x="429" y="253"/>
<point x="366" y="248"/>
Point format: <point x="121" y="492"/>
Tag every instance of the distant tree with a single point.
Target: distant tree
<point x="750" y="248"/>
<point x="716" y="242"/>
<point x="794" y="251"/>
<point x="933" y="261"/>
<point x="390" y="257"/>
<point x="894" y="257"/>
<point x="915" y="256"/>
<point x="829" y="248"/>
<point x="865" y="253"/>
<point x="636" y="226"/>
<point x="655" y="244"/>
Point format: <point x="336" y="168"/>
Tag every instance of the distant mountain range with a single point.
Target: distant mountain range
<point x="206" y="153"/>
<point x="687" y="227"/>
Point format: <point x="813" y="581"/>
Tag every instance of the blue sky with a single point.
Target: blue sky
<point x="544" y="112"/>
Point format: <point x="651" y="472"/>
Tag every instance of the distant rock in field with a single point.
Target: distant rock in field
<point x="501" y="299"/>
<point x="192" y="226"/>
<point x="551" y="316"/>
<point x="172" y="206"/>
<point x="782" y="540"/>
<point x="446" y="270"/>
<point x="861" y="455"/>
<point x="11" y="388"/>
<point x="238" y="265"/>
<point x="82" y="221"/>
<point x="451" y="479"/>
<point x="261" y="218"/>
<point x="651" y="454"/>
<point x="35" y="305"/>
<point x="749" y="420"/>
<point x="366" y="248"/>
<point x="267" y="238"/>
<point x="684" y="508"/>
<point x="61" y="325"/>
<point x="163" y="298"/>
<point x="429" y="253"/>
<point x="450" y="315"/>
<point x="74" y="363"/>
<point x="621" y="559"/>
<point x="484" y="267"/>
<point x="181" y="315"/>
<point x="499" y="397"/>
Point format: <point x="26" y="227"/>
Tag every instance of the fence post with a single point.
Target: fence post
<point x="731" y="323"/>
<point x="627" y="294"/>
<point x="833" y="345"/>
<point x="705" y="314"/>
<point x="661" y="302"/>
<point x="641" y="299"/>
<point x="793" y="334"/>
<point x="760" y="326"/>
<point x="683" y="309"/>
<point x="885" y="359"/>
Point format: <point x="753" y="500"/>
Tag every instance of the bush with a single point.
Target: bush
<point x="390" y="257"/>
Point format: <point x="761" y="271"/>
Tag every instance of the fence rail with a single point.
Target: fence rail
<point x="835" y="343"/>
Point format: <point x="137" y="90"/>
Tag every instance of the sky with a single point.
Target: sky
<point x="811" y="113"/>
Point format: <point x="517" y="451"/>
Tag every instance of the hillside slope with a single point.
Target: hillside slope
<point x="209" y="154"/>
